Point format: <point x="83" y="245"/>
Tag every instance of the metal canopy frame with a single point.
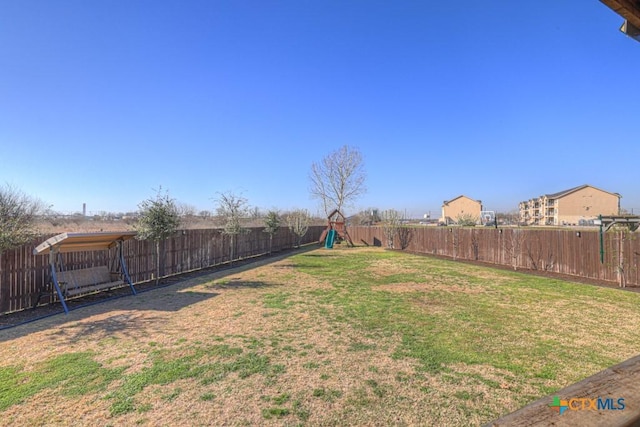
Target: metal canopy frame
<point x="78" y="242"/>
<point x="606" y="222"/>
<point x="631" y="221"/>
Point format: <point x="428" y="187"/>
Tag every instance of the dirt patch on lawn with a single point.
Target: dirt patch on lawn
<point x="386" y="267"/>
<point x="426" y="287"/>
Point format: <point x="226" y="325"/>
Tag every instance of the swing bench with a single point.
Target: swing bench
<point x="75" y="283"/>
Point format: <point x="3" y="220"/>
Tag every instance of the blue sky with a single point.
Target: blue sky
<point x="104" y="102"/>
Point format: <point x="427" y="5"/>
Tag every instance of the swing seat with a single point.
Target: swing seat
<point x="87" y="280"/>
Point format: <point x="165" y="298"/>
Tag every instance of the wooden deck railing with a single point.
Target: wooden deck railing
<point x="609" y="398"/>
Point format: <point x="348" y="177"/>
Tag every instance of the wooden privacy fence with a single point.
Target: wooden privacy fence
<point x="23" y="275"/>
<point x="566" y="251"/>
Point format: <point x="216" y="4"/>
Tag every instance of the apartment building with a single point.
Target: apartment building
<point x="461" y="206"/>
<point x="574" y="206"/>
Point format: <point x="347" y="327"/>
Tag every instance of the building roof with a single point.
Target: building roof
<point x="73" y="242"/>
<point x="574" y="189"/>
<point x="628" y="9"/>
<point x="446" y="202"/>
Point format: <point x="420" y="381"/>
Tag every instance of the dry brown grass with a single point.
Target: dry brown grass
<point x="387" y="267"/>
<point x="123" y="331"/>
<point x="121" y="334"/>
<point x="334" y="373"/>
<point x="428" y="287"/>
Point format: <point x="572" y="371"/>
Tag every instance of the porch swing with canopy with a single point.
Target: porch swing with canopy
<point x="72" y="283"/>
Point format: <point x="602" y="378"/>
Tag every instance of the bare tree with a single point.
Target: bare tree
<point x="475" y="244"/>
<point x="513" y="243"/>
<point x="455" y="241"/>
<point x="204" y="214"/>
<point x="255" y="213"/>
<point x="18" y="215"/>
<point x="298" y="222"/>
<point x="539" y="253"/>
<point x="231" y="209"/>
<point x="619" y="235"/>
<point x="187" y="214"/>
<point x="338" y="180"/>
<point x="158" y="220"/>
<point x="390" y="225"/>
<point x="405" y="235"/>
<point x="271" y="225"/>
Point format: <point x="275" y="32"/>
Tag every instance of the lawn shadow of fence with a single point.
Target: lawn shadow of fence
<point x="171" y="296"/>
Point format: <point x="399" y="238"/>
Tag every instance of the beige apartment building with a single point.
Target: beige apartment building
<point x="461" y="206"/>
<point x="575" y="206"/>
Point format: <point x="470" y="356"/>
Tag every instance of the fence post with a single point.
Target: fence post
<point x="5" y="286"/>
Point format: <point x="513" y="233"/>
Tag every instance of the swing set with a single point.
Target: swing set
<point x="336" y="230"/>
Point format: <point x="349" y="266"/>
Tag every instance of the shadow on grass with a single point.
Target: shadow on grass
<point x="118" y="325"/>
<point x="236" y="283"/>
<point x="164" y="299"/>
<point x="172" y="294"/>
<point x="318" y="255"/>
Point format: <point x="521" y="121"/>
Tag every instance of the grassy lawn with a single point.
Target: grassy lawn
<point x="329" y="337"/>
